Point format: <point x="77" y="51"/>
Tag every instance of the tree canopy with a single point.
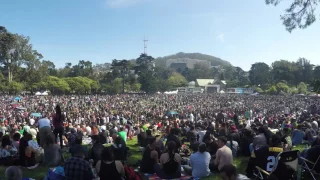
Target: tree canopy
<point x="23" y="68"/>
<point x="300" y="13"/>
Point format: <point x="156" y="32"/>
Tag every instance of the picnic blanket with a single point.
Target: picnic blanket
<point x="155" y="177"/>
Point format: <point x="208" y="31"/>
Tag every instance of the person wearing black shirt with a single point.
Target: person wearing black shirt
<point x="173" y="136"/>
<point x="312" y="155"/>
<point x="142" y="136"/>
<point x="150" y="157"/>
<point x="212" y="146"/>
<point x="235" y="134"/>
<point x="192" y="135"/>
<point x="265" y="157"/>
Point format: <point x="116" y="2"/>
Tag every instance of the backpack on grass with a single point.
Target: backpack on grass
<point x="131" y="174"/>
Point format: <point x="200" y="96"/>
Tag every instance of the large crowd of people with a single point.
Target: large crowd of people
<point x="196" y="135"/>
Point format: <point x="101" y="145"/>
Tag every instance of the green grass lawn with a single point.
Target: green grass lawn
<point x="41" y="171"/>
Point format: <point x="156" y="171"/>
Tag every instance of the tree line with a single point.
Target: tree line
<point x="24" y="69"/>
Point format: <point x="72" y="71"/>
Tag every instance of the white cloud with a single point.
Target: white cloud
<point x="220" y="37"/>
<point x="121" y="3"/>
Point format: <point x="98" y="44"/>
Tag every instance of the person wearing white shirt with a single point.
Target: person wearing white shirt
<point x="88" y="130"/>
<point x="31" y="121"/>
<point x="191" y="117"/>
<point x="201" y="135"/>
<point x="33" y="132"/>
<point x="44" y="126"/>
<point x="286" y="111"/>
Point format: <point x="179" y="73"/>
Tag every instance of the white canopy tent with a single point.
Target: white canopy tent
<point x="45" y="93"/>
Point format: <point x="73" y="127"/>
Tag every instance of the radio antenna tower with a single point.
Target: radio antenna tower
<point x="145" y="43"/>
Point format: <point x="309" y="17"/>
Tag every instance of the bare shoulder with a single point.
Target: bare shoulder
<point x="119" y="163"/>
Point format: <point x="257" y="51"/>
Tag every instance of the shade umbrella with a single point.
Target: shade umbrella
<point x="21" y="108"/>
<point x="35" y="114"/>
<point x="172" y="113"/>
<point x="17" y="98"/>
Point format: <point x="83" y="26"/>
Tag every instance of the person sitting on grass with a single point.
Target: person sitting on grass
<point x="297" y="136"/>
<point x="119" y="151"/>
<point x="8" y="153"/>
<point x="13" y="173"/>
<point x="52" y="152"/>
<point x="149" y="157"/>
<point x="96" y="149"/>
<point x="108" y="168"/>
<point x="170" y="163"/>
<point x="76" y="168"/>
<point x="229" y="172"/>
<point x="223" y="156"/>
<point x="199" y="163"/>
<point x="72" y="137"/>
<point x="16" y="138"/>
<point x="78" y="145"/>
<point x="27" y="154"/>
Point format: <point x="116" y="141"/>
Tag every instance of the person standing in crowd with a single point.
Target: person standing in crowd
<point x="123" y="134"/>
<point x="44" y="126"/>
<point x="58" y="119"/>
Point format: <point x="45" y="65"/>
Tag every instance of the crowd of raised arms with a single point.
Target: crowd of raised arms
<point x="180" y="136"/>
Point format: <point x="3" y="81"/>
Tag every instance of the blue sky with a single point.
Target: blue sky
<point x="241" y="32"/>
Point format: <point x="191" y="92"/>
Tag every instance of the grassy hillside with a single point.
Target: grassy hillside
<point x="161" y="61"/>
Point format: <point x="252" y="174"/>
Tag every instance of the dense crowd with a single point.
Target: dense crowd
<point x="197" y="135"/>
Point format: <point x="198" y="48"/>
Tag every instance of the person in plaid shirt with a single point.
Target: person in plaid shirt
<point x="76" y="168"/>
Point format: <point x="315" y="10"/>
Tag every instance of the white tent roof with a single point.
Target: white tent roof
<point x="44" y="94"/>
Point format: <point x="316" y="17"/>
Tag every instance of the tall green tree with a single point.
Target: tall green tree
<point x="177" y="80"/>
<point x="259" y="74"/>
<point x="300" y="14"/>
<point x="7" y="43"/>
<point x="302" y="88"/>
<point x="316" y="86"/>
<point x="304" y="70"/>
<point x="284" y="70"/>
<point x="316" y="72"/>
<point x="122" y="67"/>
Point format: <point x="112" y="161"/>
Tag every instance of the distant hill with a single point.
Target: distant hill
<point x="161" y="61"/>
